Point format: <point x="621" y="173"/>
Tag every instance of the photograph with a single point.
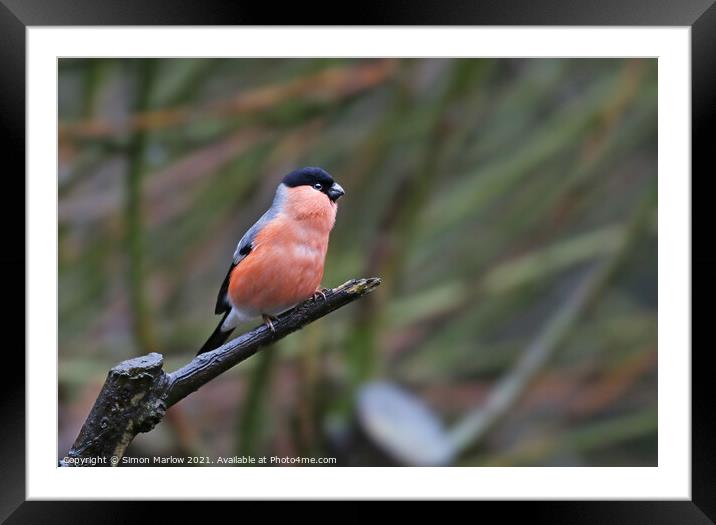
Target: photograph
<point x="357" y="262"/>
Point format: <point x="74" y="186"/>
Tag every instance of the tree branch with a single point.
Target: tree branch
<point x="138" y="392"/>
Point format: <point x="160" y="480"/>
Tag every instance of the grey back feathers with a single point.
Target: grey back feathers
<point x="246" y="242"/>
<point x="246" y="245"/>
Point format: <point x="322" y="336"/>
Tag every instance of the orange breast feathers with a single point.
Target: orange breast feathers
<point x="285" y="265"/>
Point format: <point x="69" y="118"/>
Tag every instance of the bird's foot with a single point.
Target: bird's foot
<point x="320" y="292"/>
<point x="268" y="321"/>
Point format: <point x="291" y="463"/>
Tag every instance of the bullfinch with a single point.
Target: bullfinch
<point x="279" y="261"/>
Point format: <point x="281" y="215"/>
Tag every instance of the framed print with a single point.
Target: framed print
<point x="452" y="251"/>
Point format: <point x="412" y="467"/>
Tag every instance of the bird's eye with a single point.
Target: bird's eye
<point x="318" y="186"/>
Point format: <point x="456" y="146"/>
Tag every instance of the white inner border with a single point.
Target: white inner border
<point x="670" y="480"/>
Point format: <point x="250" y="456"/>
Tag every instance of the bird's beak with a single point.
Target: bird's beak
<point x="335" y="192"/>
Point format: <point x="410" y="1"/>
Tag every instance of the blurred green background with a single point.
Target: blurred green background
<point x="509" y="206"/>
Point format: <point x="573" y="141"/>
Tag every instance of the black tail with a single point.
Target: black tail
<point x="217" y="338"/>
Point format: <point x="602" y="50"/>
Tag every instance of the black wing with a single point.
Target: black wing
<point x="222" y="305"/>
<point x="244" y="248"/>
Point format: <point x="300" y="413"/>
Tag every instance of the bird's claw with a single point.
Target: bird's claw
<point x="268" y="321"/>
<point x="319" y="293"/>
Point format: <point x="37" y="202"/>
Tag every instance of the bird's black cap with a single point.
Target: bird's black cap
<point x="308" y="177"/>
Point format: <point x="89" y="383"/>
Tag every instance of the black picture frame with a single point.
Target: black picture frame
<point x="17" y="15"/>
